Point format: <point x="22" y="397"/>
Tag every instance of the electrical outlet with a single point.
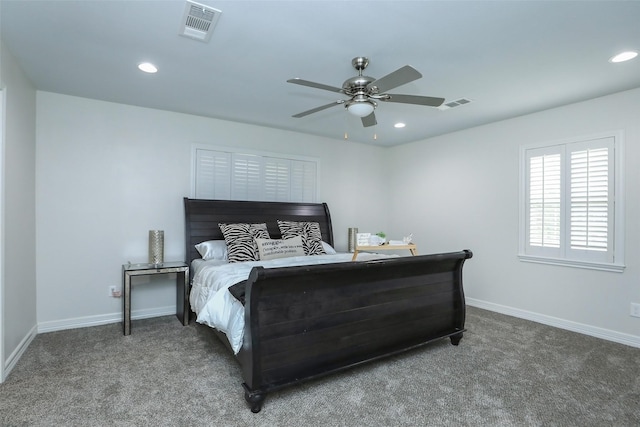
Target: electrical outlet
<point x="635" y="309"/>
<point x="112" y="290"/>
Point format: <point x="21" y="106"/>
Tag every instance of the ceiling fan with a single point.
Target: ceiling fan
<point x="364" y="91"/>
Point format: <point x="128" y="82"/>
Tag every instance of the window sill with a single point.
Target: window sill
<point x="616" y="268"/>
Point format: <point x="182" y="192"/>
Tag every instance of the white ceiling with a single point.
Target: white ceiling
<point x="509" y="57"/>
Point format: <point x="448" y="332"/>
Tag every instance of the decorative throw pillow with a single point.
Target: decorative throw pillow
<point x="212" y="249"/>
<point x="276" y="248"/>
<point x="240" y="239"/>
<point x="309" y="231"/>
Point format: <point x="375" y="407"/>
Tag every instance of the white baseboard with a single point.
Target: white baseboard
<point x="78" y="322"/>
<point x="18" y="352"/>
<point x="103" y="319"/>
<point x="594" y="331"/>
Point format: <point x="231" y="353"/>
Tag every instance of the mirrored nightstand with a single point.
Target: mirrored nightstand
<point x="182" y="288"/>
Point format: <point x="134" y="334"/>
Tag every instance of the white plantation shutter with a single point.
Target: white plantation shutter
<point x="213" y="175"/>
<point x="246" y="177"/>
<point x="569" y="214"/>
<point x="225" y="174"/>
<point x="591" y="200"/>
<point x="277" y="179"/>
<point x="303" y="180"/>
<point x="545" y="200"/>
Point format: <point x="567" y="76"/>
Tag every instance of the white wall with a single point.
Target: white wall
<point x="461" y="191"/>
<point x="18" y="279"/>
<point x="107" y="173"/>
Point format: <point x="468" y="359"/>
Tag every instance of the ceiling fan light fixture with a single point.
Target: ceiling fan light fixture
<point x="360" y="108"/>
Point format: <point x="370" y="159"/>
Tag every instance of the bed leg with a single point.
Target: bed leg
<point x="455" y="339"/>
<point x="255" y="400"/>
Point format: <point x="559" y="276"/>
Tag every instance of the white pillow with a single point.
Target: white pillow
<point x="328" y="248"/>
<point x="212" y="249"/>
<point x="276" y="248"/>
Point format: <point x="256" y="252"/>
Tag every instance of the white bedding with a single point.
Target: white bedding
<point x="216" y="307"/>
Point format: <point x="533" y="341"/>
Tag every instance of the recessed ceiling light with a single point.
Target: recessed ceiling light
<point x="624" y="56"/>
<point x="399" y="125"/>
<point x="147" y="67"/>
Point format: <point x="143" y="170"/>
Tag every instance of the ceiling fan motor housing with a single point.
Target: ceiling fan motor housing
<point x="357" y="85"/>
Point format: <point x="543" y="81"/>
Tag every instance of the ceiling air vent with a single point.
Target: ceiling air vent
<point x="453" y="104"/>
<point x="198" y="21"/>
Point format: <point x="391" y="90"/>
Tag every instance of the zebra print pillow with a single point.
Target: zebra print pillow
<point x="310" y="232"/>
<point x="240" y="239"/>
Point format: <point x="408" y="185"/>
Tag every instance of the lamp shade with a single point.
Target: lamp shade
<point x="360" y="108"/>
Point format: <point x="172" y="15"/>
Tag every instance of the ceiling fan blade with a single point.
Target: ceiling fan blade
<point x="314" y="85"/>
<point x="397" y="78"/>
<point x="413" y="99"/>
<point x="315" y="110"/>
<point x="369" y="120"/>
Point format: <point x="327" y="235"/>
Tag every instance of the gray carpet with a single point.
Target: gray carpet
<point x="505" y="372"/>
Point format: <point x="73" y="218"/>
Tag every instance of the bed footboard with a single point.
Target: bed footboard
<point x="308" y="321"/>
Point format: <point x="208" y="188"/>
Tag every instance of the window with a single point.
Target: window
<point x="220" y="173"/>
<point x="571" y="203"/>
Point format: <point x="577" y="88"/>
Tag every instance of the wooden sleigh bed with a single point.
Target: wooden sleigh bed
<point x="303" y="322"/>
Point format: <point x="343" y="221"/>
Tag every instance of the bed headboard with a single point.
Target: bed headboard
<point x="201" y="218"/>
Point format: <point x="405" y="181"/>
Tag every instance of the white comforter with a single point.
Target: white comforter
<point x="216" y="307"/>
